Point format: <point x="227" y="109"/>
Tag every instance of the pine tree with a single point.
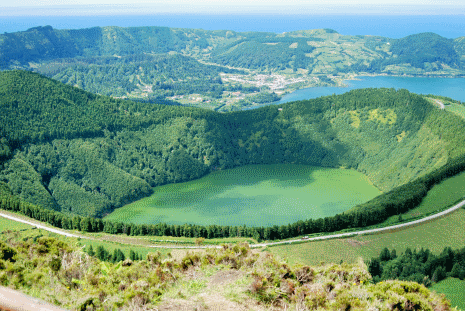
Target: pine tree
<point x="90" y="251"/>
<point x="119" y="256"/>
<point x="385" y="255"/>
<point x="457" y="271"/>
<point x="439" y="274"/>
<point x="101" y="253"/>
<point x="114" y="257"/>
<point x="374" y="267"/>
<point x="132" y="255"/>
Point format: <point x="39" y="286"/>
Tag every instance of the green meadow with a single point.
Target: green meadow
<point x="447" y="231"/>
<point x="253" y="195"/>
<point x="454" y="289"/>
<point x="8" y="224"/>
<point x="456" y="109"/>
<point x="440" y="197"/>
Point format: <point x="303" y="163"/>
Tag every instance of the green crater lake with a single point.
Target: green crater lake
<point x="253" y="195"/>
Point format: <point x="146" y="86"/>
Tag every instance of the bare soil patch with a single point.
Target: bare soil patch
<point x="355" y="243"/>
<point x="225" y="277"/>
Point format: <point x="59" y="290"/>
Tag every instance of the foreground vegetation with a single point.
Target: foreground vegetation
<point x="420" y="266"/>
<point x="444" y="273"/>
<point x="60" y="273"/>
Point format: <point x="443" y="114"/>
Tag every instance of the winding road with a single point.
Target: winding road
<point x="441" y="105"/>
<point x="325" y="237"/>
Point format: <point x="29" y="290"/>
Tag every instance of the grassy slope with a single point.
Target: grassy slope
<point x="456" y="109"/>
<point x="435" y="235"/>
<point x="454" y="289"/>
<point x="440" y="197"/>
<point x="8" y="224"/>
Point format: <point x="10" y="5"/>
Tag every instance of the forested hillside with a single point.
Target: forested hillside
<point x="427" y="51"/>
<point x="162" y="75"/>
<point x="264" y="51"/>
<point x="153" y="63"/>
<point x="45" y="43"/>
<point x="69" y="150"/>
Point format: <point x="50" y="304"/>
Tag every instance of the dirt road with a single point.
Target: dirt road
<point x="325" y="237"/>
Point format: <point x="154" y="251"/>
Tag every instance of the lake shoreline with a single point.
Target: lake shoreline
<point x="429" y="84"/>
<point x="253" y="195"/>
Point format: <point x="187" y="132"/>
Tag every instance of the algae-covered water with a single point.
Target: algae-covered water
<point x="253" y="195"/>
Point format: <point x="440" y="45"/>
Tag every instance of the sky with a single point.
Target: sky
<point x="115" y="7"/>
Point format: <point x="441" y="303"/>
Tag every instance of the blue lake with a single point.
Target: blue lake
<point x="453" y="88"/>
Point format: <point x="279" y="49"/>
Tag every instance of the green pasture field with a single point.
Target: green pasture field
<point x="8" y="224"/>
<point x="435" y="235"/>
<point x="169" y="240"/>
<point x="439" y="198"/>
<point x="456" y="109"/>
<point x="254" y="195"/>
<point x="454" y="289"/>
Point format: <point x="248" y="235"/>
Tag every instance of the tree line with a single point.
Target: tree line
<point x="116" y="256"/>
<point x="394" y="202"/>
<point x="421" y="266"/>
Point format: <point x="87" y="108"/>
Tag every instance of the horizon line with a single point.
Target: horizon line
<point x="292" y="9"/>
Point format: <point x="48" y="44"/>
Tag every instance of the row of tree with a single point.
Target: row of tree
<point x="116" y="256"/>
<point x="394" y="202"/>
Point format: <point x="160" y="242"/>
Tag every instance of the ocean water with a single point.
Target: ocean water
<point x="392" y="26"/>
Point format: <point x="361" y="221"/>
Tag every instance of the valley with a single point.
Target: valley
<point x="130" y="139"/>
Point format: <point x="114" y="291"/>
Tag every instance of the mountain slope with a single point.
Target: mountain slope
<point x="91" y="153"/>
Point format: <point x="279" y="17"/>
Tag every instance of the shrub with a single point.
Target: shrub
<point x="154" y="258"/>
<point x="304" y="274"/>
<point x="6" y="252"/>
<point x="55" y="263"/>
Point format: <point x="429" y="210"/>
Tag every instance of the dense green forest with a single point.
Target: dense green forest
<point x="74" y="152"/>
<point x="426" y="51"/>
<point x="264" y="51"/>
<point x="165" y="75"/>
<point x="421" y="266"/>
<point x="45" y="43"/>
<point x="260" y="98"/>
